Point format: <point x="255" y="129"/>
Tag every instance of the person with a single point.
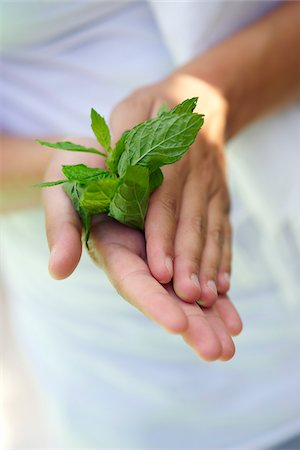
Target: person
<point x="187" y="232"/>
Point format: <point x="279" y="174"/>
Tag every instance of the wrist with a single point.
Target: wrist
<point x="212" y="102"/>
<point x="216" y="93"/>
<point x="256" y="69"/>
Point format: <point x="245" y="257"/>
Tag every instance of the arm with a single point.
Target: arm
<point x="188" y="217"/>
<point x="237" y="81"/>
<point x="256" y="70"/>
<point x="21" y="166"/>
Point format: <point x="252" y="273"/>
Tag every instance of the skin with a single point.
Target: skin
<point x="185" y="254"/>
<point x="187" y="228"/>
<point x="18" y="178"/>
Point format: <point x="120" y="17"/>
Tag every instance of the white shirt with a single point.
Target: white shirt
<point x="110" y="378"/>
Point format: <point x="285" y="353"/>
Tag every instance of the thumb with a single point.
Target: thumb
<point x="129" y="112"/>
<point x="63" y="225"/>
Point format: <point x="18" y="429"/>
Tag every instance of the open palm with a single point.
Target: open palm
<point x="120" y="251"/>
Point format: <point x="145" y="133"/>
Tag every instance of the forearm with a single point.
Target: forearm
<point x="258" y="69"/>
<point x="21" y="159"/>
<point x="22" y="164"/>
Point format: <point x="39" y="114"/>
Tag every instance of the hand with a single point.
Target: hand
<point x="120" y="250"/>
<point x="63" y="226"/>
<point x="187" y="229"/>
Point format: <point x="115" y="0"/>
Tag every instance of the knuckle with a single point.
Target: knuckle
<point x="169" y="204"/>
<point x="193" y="259"/>
<point x="199" y="225"/>
<point x="210" y="273"/>
<point x="217" y="235"/>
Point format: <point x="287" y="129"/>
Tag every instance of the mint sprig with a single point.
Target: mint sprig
<point x="133" y="167"/>
<point x="70" y="146"/>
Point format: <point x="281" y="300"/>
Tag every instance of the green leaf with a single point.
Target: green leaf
<point x="187" y="106"/>
<point x="82" y="174"/>
<point x="130" y="202"/>
<point x="70" y="146"/>
<point x="49" y="183"/>
<point x="123" y="192"/>
<point x="124" y="163"/>
<point x="163" y="109"/>
<point x="74" y="191"/>
<point x="100" y="129"/>
<point x="114" y="156"/>
<point x="97" y="195"/>
<point x="160" y="141"/>
<point x="91" y="199"/>
<point x="155" y="180"/>
<point x="78" y="173"/>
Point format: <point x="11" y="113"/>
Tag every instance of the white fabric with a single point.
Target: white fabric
<point x="110" y="378"/>
<point x="30" y="23"/>
<point x="189" y="27"/>
<point x="51" y="84"/>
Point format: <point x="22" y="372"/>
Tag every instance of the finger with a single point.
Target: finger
<point x="63" y="225"/>
<point x="63" y="229"/>
<point x="207" y="333"/>
<point x="212" y="253"/>
<point x="190" y="238"/>
<point x="203" y="339"/>
<point x="200" y="333"/>
<point x="129" y="112"/>
<point x="160" y="227"/>
<point x="223" y="280"/>
<point x="229" y="315"/>
<point x="132" y="279"/>
<point x="215" y="320"/>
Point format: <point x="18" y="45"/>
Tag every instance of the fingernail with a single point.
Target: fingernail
<point x="226" y="277"/>
<point x="195" y="280"/>
<point x="212" y="286"/>
<point x="50" y="263"/>
<point x="52" y="253"/>
<point x="200" y="303"/>
<point x="169" y="265"/>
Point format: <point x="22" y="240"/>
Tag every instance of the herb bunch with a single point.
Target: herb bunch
<point x="132" y="173"/>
